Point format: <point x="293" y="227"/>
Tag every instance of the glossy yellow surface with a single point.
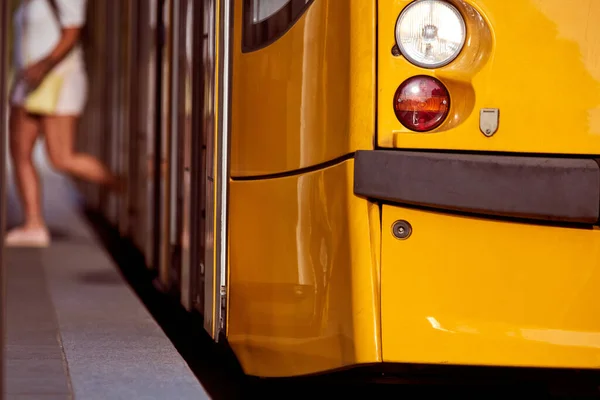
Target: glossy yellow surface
<point x="471" y="291"/>
<point x="306" y="290"/>
<point x="309" y="97"/>
<point x="536" y="62"/>
<point x="304" y="274"/>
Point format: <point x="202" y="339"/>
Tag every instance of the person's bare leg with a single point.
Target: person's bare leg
<point x="60" y="132"/>
<point x="24" y="130"/>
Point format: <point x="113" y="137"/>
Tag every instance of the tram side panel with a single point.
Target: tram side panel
<point x="303" y="272"/>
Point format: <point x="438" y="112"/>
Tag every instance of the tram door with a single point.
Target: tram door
<point x="180" y="160"/>
<point x="197" y="125"/>
<point x="175" y="138"/>
<point x="195" y="155"/>
<point x="202" y="230"/>
<point x="143" y="122"/>
<point x="191" y="128"/>
<point x="188" y="102"/>
<point x="167" y="149"/>
<point x="202" y="273"/>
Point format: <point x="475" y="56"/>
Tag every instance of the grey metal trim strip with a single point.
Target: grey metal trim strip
<point x="550" y="189"/>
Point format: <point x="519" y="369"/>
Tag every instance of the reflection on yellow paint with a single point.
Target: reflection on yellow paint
<point x="563" y="338"/>
<point x="436" y="325"/>
<point x="309" y="96"/>
<point x="303" y="287"/>
<point x="558" y="337"/>
<point x="578" y="23"/>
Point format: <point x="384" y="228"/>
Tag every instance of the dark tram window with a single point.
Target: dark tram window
<point x="267" y="20"/>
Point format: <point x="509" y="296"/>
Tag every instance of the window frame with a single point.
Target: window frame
<point x="256" y="36"/>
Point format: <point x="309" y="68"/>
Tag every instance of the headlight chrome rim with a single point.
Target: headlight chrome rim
<point x="416" y="62"/>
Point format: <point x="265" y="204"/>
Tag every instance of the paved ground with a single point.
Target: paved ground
<point x="75" y="327"/>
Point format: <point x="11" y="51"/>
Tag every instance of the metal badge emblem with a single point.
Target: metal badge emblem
<point x="488" y="121"/>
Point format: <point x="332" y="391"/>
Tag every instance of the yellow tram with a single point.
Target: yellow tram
<point x="339" y="183"/>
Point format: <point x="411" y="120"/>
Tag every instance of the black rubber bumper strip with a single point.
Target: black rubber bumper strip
<point x="549" y="189"/>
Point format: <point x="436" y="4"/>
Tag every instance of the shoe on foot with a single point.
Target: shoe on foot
<point x="27" y="237"/>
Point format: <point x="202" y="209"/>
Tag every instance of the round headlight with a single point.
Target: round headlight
<point x="430" y="33"/>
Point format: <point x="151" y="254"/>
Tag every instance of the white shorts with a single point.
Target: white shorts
<point x="73" y="94"/>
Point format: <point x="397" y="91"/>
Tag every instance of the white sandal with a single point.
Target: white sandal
<point x="22" y="237"/>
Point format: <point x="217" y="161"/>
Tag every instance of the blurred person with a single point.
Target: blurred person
<point x="48" y="96"/>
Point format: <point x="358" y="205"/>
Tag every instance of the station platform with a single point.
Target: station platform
<point x="75" y="328"/>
